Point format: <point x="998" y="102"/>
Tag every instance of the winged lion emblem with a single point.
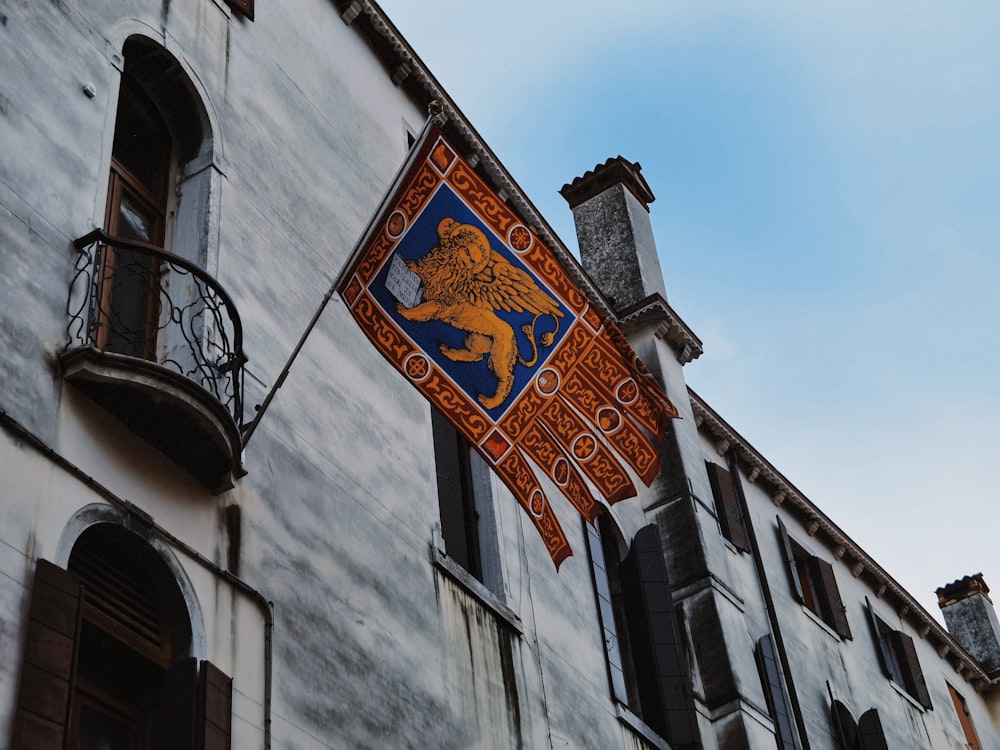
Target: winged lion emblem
<point x="465" y="282"/>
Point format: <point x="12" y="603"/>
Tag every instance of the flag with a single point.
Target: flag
<point x="483" y="319"/>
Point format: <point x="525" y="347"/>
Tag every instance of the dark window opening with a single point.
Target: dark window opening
<point x="456" y="496"/>
<point x="897" y="656"/>
<point x="814" y="583"/>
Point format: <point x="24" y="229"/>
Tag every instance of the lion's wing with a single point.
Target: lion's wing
<point x="502" y="286"/>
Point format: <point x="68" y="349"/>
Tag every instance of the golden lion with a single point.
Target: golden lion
<point x="465" y="281"/>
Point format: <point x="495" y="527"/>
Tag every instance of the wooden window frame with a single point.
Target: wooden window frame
<point x="964" y="718"/>
<point x="154" y="199"/>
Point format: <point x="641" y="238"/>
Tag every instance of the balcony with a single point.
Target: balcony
<point x="158" y="343"/>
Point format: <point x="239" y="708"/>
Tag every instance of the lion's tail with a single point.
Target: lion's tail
<point x="546" y="339"/>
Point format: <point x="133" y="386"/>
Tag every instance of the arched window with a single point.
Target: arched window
<point x="159" y="188"/>
<point x="108" y="662"/>
<point x="134" y="627"/>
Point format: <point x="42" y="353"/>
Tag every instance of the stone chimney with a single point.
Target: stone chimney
<point x="611" y="208"/>
<point x="971" y="619"/>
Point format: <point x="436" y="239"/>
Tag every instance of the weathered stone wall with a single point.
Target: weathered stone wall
<point x="374" y="644"/>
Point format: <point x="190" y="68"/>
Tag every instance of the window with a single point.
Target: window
<point x="727" y="505"/>
<point x="641" y="635"/>
<point x="865" y="734"/>
<point x="898" y="658"/>
<point x="136" y="211"/>
<point x="162" y="178"/>
<point x="778" y="706"/>
<point x="468" y="518"/>
<point x="814" y="584"/>
<point x="962" y="711"/>
<point x="106" y="663"/>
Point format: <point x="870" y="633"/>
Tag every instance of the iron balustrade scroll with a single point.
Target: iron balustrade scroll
<point x="138" y="300"/>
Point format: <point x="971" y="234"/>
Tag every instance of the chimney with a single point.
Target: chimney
<point x="611" y="209"/>
<point x="971" y="619"/>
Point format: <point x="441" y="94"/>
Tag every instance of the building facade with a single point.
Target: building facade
<point x="218" y="532"/>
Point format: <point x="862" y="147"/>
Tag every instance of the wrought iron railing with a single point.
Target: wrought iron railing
<point x="140" y="301"/>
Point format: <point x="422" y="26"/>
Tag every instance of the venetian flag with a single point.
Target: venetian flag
<point x="482" y="318"/>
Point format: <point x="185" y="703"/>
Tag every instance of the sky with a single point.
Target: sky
<point x="827" y="216"/>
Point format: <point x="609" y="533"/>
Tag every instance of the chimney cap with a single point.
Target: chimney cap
<point x="963" y="588"/>
<point x="601" y="177"/>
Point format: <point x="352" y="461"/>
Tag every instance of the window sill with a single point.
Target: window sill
<point x="475" y="588"/>
<point x="822" y="623"/>
<point x="905" y="694"/>
<point x="639" y="727"/>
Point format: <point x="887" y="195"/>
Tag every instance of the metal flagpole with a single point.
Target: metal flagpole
<point x="434" y="112"/>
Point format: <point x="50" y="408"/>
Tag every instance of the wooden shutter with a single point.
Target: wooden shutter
<point x="913" y="676"/>
<point x="216" y="708"/>
<point x="774" y="690"/>
<point x="791" y="564"/>
<point x="831" y="605"/>
<point x="871" y="736"/>
<point x="881" y="647"/>
<point x="597" y="542"/>
<point x="195" y="709"/>
<point x="664" y="691"/>
<point x="47" y="673"/>
<point x="243" y="6"/>
<point x="844" y="726"/>
<point x="727" y="505"/>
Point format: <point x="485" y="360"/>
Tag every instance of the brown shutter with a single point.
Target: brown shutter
<point x="243" y="6"/>
<point x="845" y="728"/>
<point x="727" y="505"/>
<point x="914" y="676"/>
<point x="47" y="673"/>
<point x="774" y="691"/>
<point x="597" y="542"/>
<point x="664" y="690"/>
<point x="871" y="736"/>
<point x="195" y="710"/>
<point x="216" y="709"/>
<point x="831" y="605"/>
<point x="884" y="657"/>
<point x="790" y="562"/>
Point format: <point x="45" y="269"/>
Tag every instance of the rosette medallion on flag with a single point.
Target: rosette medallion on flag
<point x="482" y="318"/>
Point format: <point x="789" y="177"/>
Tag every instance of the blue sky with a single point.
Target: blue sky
<point x="827" y="214"/>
